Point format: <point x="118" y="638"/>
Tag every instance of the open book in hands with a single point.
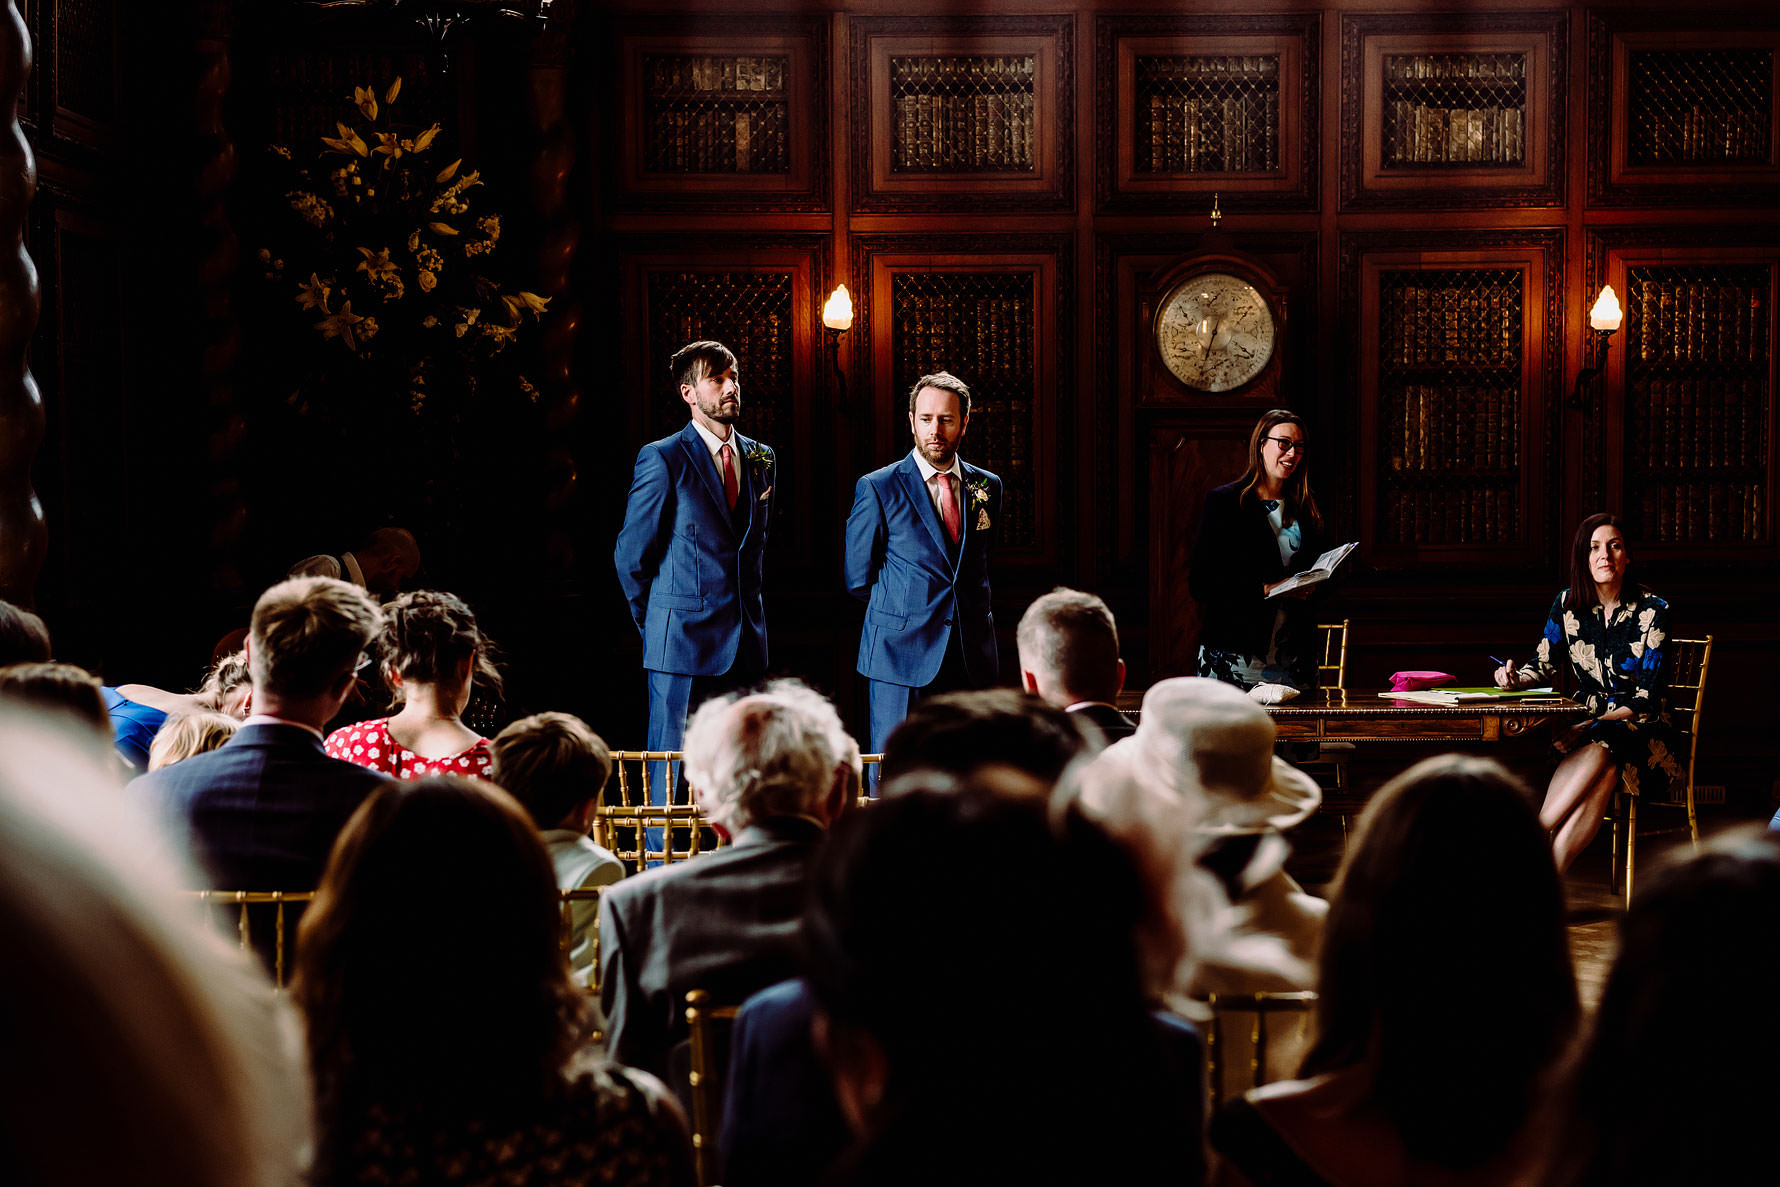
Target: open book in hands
<point x="1321" y="571"/>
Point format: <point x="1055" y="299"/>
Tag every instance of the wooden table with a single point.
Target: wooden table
<point x="1334" y="715"/>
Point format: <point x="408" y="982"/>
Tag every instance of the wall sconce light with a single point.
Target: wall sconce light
<point x="1603" y="320"/>
<point x="837" y="317"/>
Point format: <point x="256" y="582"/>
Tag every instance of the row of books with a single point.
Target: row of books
<point x="1689" y="315"/>
<point x="1237" y="133"/>
<point x="994" y="333"/>
<point x="1707" y="423"/>
<point x="1419" y="134"/>
<point x="1206" y="69"/>
<point x="1476" y="515"/>
<point x="1672" y="135"/>
<point x="962" y="133"/>
<point x="1689" y="512"/>
<point x="962" y="75"/>
<point x="1471" y="321"/>
<point x="717" y="140"/>
<point x="1482" y="69"/>
<point x="1453" y="429"/>
<point x="667" y="73"/>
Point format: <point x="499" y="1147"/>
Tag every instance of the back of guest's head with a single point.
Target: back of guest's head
<point x="552" y="764"/>
<point x="931" y="949"/>
<point x="140" y="1047"/>
<point x="306" y="633"/>
<point x="23" y="637"/>
<point x="385" y="1026"/>
<point x="1069" y="642"/>
<point x="1660" y="1095"/>
<point x="227" y="684"/>
<point x="1447" y="983"/>
<point x="768" y="754"/>
<point x="188" y="734"/>
<point x="59" y="688"/>
<point x="427" y="634"/>
<point x="960" y="731"/>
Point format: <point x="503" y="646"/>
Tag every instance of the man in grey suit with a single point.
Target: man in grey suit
<point x="1069" y="656"/>
<point x="772" y="771"/>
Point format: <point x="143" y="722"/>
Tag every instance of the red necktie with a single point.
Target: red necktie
<point x="948" y="506"/>
<point x="732" y="487"/>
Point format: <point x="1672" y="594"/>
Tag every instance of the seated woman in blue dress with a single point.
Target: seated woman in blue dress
<point x="1253" y="534"/>
<point x="1611" y="632"/>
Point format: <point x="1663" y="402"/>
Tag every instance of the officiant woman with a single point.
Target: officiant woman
<point x="1253" y="534"/>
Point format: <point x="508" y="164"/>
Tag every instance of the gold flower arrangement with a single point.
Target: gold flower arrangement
<point x="387" y="263"/>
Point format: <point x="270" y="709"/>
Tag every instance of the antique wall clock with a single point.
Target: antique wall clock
<point x="1218" y="326"/>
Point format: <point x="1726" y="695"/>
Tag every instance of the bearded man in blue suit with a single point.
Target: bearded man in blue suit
<point x="918" y="542"/>
<point x="689" y="555"/>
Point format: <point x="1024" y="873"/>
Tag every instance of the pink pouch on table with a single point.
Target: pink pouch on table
<point x="1411" y="681"/>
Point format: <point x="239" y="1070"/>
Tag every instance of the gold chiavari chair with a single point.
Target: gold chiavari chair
<point x="1332" y="757"/>
<point x="709" y="1025"/>
<point x="242" y="900"/>
<point x="1271" y="1029"/>
<point x="1687" y="696"/>
<point x="624" y="827"/>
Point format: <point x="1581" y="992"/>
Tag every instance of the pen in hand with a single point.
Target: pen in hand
<point x="1507" y="670"/>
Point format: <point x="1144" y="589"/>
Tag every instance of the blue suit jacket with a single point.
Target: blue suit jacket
<point x="915" y="588"/>
<point x="262" y="810"/>
<point x="691" y="570"/>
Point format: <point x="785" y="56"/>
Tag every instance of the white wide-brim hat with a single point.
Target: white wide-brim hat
<point x="1212" y="746"/>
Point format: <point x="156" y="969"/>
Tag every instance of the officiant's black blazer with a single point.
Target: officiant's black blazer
<point x="1236" y="554"/>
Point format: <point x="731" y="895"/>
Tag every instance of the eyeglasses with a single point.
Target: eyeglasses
<point x="1287" y="445"/>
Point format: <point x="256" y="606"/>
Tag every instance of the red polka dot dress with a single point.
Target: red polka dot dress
<point x="368" y="744"/>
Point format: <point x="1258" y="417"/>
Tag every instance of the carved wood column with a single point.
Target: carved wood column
<point x="560" y="235"/>
<point x="218" y="328"/>
<point x="22" y="531"/>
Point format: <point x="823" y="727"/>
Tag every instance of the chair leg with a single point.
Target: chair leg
<point x="1631" y="844"/>
<point x="1614" y="842"/>
<point x="1693" y="821"/>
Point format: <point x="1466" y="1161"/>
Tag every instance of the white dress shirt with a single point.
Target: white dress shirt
<point x="957" y="473"/>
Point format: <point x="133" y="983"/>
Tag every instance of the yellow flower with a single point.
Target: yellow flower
<point x="376" y="265"/>
<point x="395" y="88"/>
<point x="490" y="225"/>
<point x="343" y="325"/>
<point x="348" y="142"/>
<point x="422" y="141"/>
<point x="313" y="294"/>
<point x="429" y="321"/>
<point x="310" y="208"/>
<point x="281" y="151"/>
<point x="366" y="102"/>
<point x="428" y="281"/>
<point x="414" y="241"/>
<point x="388" y="145"/>
<point x="446" y="173"/>
<point x="441" y="228"/>
<point x="496" y="333"/>
<point x="535" y="303"/>
<point x="367" y="329"/>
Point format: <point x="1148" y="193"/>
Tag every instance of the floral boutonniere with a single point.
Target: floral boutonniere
<point x="762" y="461"/>
<point x="979" y="498"/>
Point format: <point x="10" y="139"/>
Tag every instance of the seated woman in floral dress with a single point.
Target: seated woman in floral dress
<point x="432" y="652"/>
<point x="1611" y="631"/>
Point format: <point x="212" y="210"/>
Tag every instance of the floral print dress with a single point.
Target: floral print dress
<point x="369" y="744"/>
<point x="1618" y="662"/>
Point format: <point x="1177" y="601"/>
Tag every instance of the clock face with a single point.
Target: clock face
<point x="1215" y="331"/>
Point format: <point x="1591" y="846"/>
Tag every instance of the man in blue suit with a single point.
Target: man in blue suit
<point x="689" y="553"/>
<point x="918" y="555"/>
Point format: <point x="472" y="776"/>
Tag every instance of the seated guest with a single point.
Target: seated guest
<point x="138" y="711"/>
<point x="1069" y="655"/>
<point x="772" y="771"/>
<point x="432" y="653"/>
<point x="262" y="811"/>
<point x="1610" y="631"/>
<point x="386" y="558"/>
<point x="781" y="1123"/>
<point x="556" y="767"/>
<point x="140" y="1046"/>
<point x="190" y="734"/>
<point x="1444" y="997"/>
<point x="963" y="1049"/>
<point x="1658" y="1096"/>
<point x="23" y="637"/>
<point x="956" y="732"/>
<point x="481" y="1075"/>
<point x="61" y="689"/>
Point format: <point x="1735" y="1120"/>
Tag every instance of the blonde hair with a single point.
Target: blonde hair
<point x="157" y="1052"/>
<point x="189" y="734"/>
<point x="306" y="632"/>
